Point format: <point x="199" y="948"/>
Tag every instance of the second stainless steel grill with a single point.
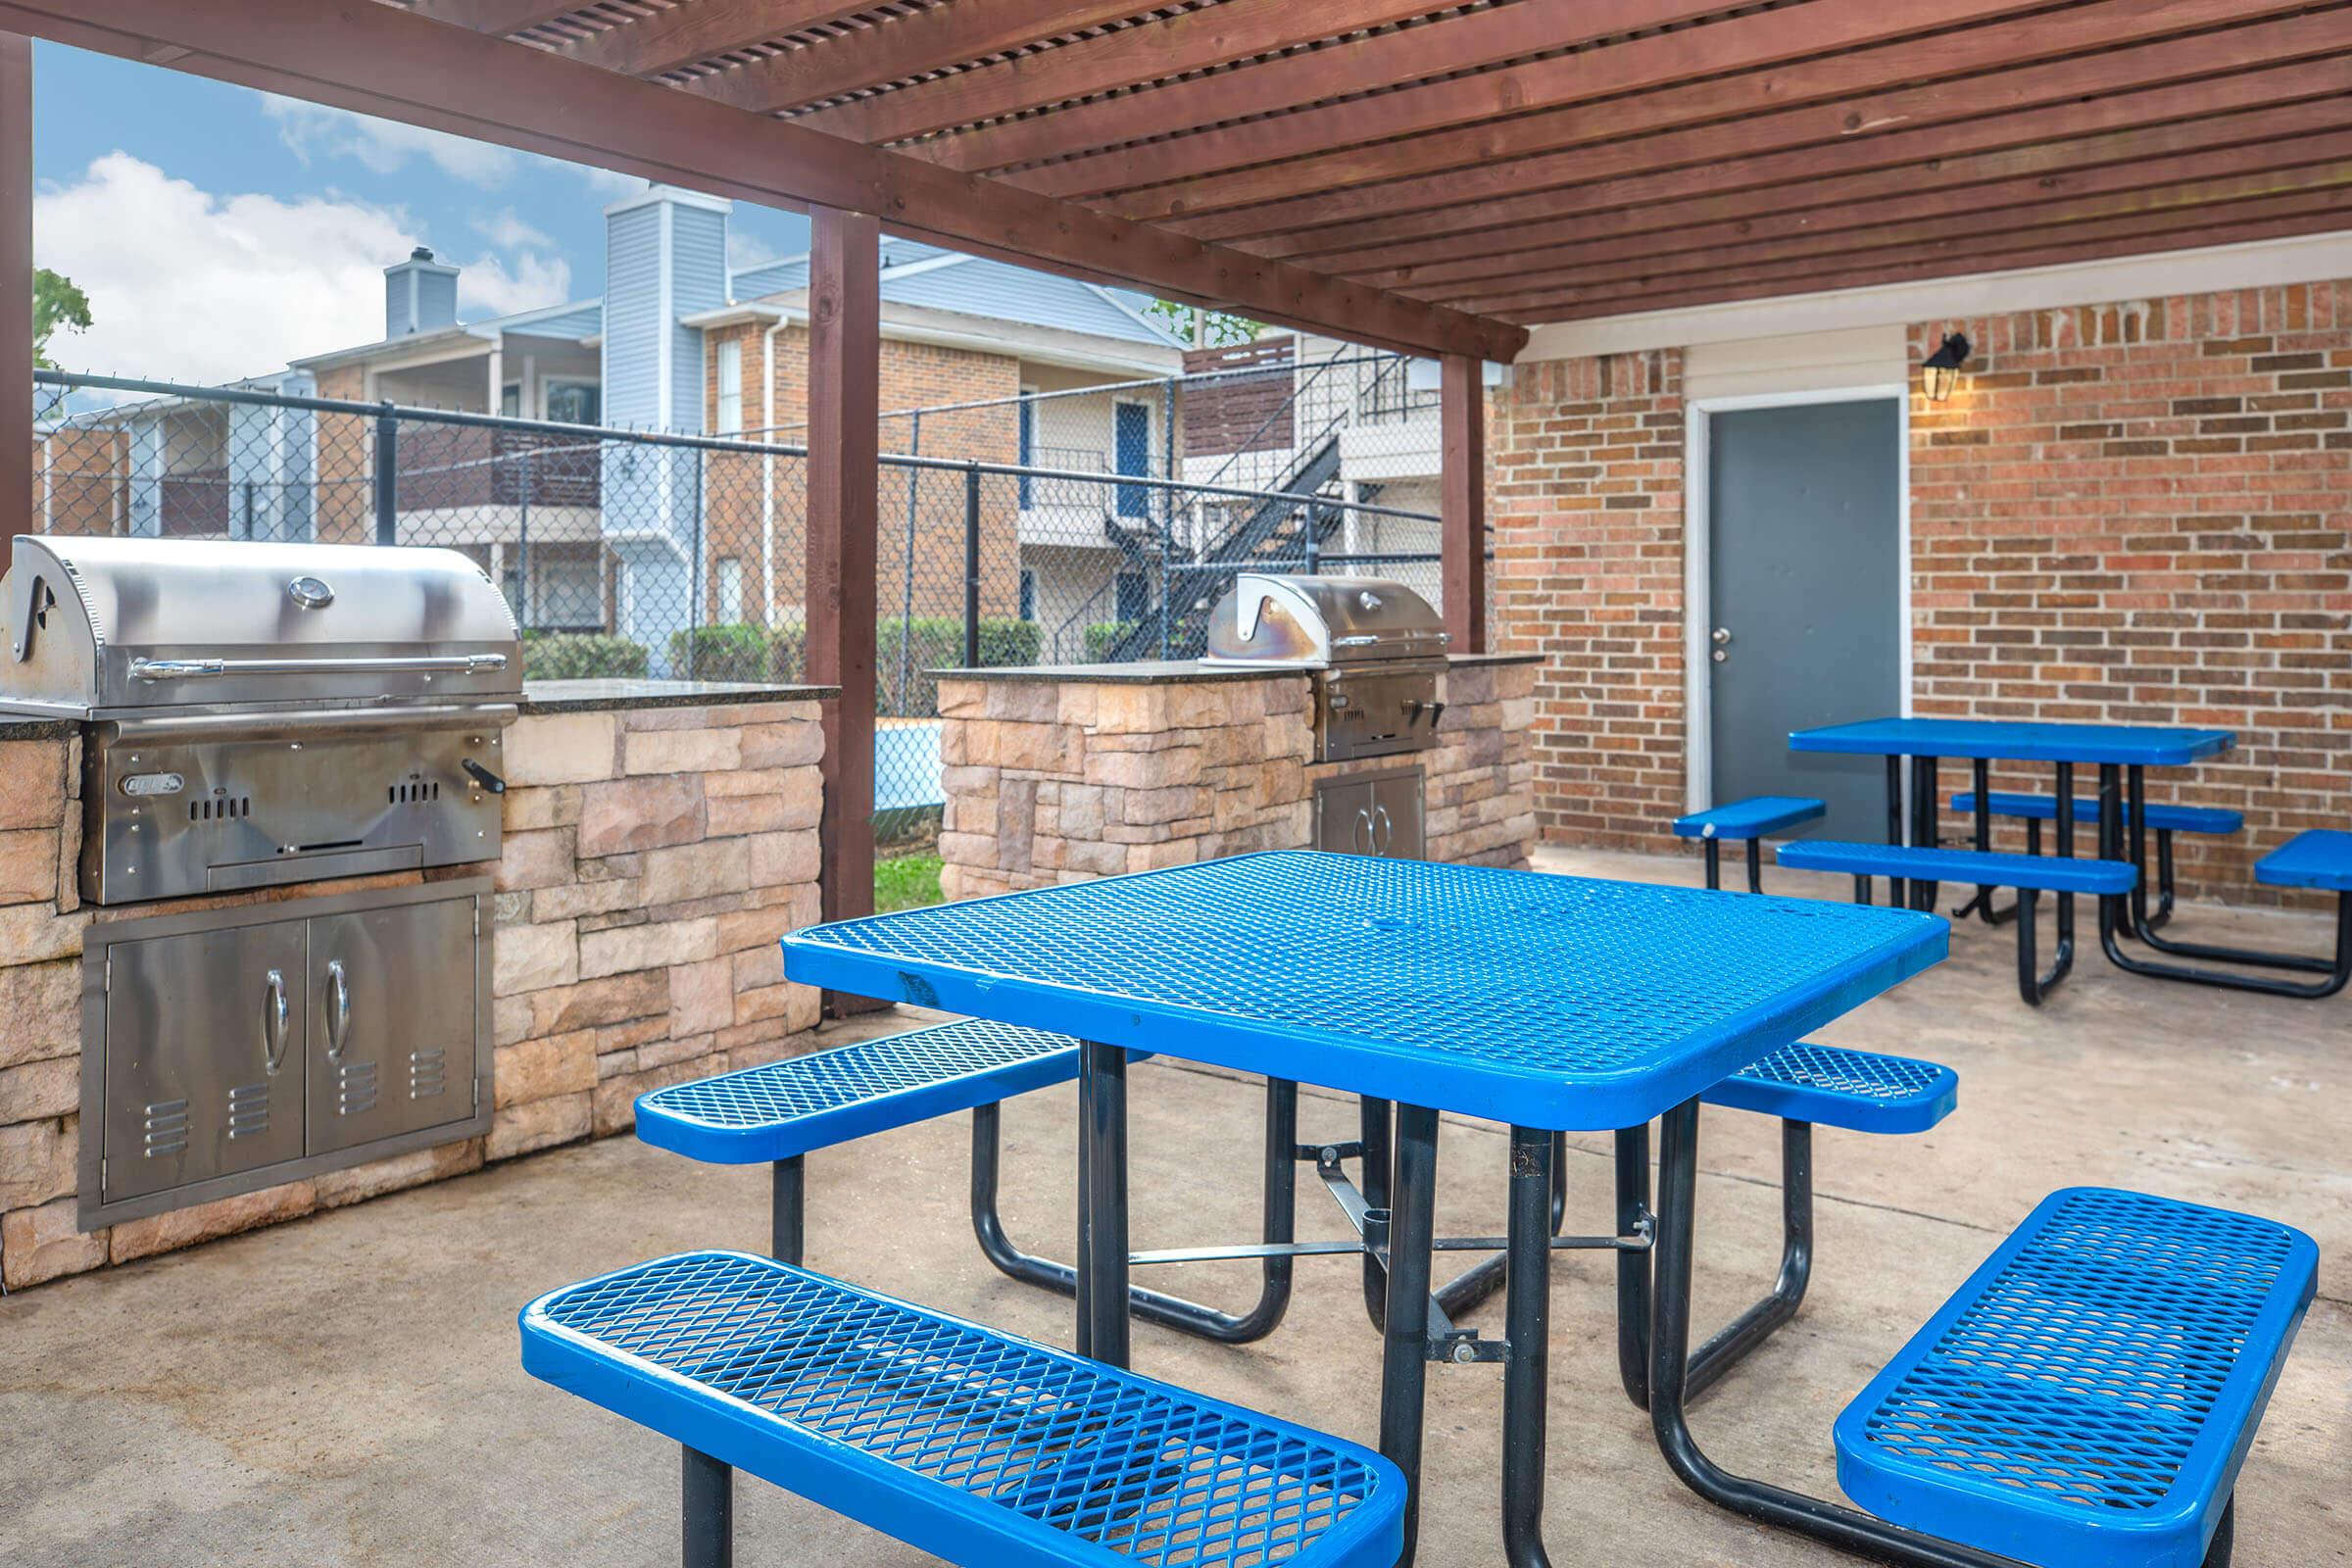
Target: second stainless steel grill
<point x="266" y="713"/>
<point x="1374" y="648"/>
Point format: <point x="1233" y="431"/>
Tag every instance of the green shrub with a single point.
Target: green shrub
<point x="936" y="642"/>
<point x="576" y="655"/>
<point x="1105" y="636"/>
<point x="737" y="652"/>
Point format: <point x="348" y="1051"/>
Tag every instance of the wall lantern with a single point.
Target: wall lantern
<point x="1943" y="366"/>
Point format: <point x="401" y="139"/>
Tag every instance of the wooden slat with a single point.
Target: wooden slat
<point x="845" y="356"/>
<point x="1462" y="502"/>
<point x="1860" y="243"/>
<point x="1964" y="190"/>
<point x="904" y="47"/>
<point x="1322" y="189"/>
<point x="2049" y="141"/>
<point x="687" y="34"/>
<point x="17" y="501"/>
<point x="1519" y="191"/>
<point x="1463" y="42"/>
<point x="498" y="17"/>
<point x="1191" y="41"/>
<point x="360" y="55"/>
<point x="2220" y="225"/>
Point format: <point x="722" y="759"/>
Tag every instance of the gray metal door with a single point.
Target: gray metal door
<point x="1804" y="563"/>
<point x="203" y="1067"/>
<point x="391" y="1022"/>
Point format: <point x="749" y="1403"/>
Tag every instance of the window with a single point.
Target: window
<point x="1135" y="595"/>
<point x="730" y="392"/>
<point x="573" y="402"/>
<point x="1028" y="411"/>
<point x="1131" y="454"/>
<point x="1028" y="594"/>
<point x="730" y="590"/>
<point x="509" y="399"/>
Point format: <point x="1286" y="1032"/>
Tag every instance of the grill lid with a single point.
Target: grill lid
<point x="102" y="624"/>
<point x="1267" y="618"/>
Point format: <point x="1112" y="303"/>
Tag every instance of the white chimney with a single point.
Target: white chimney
<point x="420" y="295"/>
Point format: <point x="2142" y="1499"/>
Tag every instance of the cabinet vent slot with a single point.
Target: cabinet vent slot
<point x="413" y="791"/>
<point x="220" y="807"/>
<point x="249" y="1110"/>
<point x="167" y="1129"/>
<point x="428" y="1072"/>
<point x="355" y="1088"/>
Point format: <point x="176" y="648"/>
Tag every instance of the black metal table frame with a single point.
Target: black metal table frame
<point x="1653" y="1298"/>
<point x="2122" y="836"/>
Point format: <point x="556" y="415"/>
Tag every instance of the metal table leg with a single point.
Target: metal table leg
<point x="1841" y="1527"/>
<point x="1404" y="1354"/>
<point x="1527" y="1320"/>
<point x="1898" y="894"/>
<point x="1980" y="776"/>
<point x="1376" y="1123"/>
<point x="2144" y="924"/>
<point x="1279" y="1226"/>
<point x="706" y="1511"/>
<point x="1923" y="831"/>
<point x="1102" y="1326"/>
<point x="787" y="1208"/>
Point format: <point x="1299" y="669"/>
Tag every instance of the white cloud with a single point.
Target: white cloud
<point x="190" y="286"/>
<point x="385" y="146"/>
<point x="507" y="231"/>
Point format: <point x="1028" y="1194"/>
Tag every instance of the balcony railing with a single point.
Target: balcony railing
<point x="468" y="465"/>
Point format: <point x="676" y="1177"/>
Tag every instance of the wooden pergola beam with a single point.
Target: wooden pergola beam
<point x="1971" y="193"/>
<point x="1358" y="64"/>
<point x="1462" y="502"/>
<point x="687" y="34"/>
<point x="2269" y="219"/>
<point x="1553" y="147"/>
<point x="498" y="17"/>
<point x="2152" y="207"/>
<point x="904" y="47"/>
<point x="376" y="59"/>
<point x="2051" y="141"/>
<point x="1191" y="41"/>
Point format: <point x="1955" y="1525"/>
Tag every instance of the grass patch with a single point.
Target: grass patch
<point x="908" y="882"/>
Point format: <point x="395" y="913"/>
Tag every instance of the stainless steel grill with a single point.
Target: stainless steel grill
<point x="1374" y="648"/>
<point x="266" y="713"/>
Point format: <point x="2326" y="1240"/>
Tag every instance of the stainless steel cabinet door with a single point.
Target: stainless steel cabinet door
<point x="1372" y="813"/>
<point x="391" y="1022"/>
<point x="204" y="1062"/>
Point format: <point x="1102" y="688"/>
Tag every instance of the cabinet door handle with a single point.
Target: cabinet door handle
<point x="1360" y="837"/>
<point x="338" y="1010"/>
<point x="1384" y="830"/>
<point x="275" y="1016"/>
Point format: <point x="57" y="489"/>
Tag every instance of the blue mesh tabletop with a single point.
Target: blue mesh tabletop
<point x="1552" y="1001"/>
<point x="983" y="1448"/>
<point x="2001" y="741"/>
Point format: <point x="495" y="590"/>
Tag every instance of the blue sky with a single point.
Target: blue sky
<point x="219" y="232"/>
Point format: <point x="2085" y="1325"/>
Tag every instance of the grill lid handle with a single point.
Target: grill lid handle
<point x="210" y="669"/>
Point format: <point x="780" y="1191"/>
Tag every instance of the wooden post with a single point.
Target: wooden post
<point x="845" y="344"/>
<point x="17" y="511"/>
<point x="1462" y="503"/>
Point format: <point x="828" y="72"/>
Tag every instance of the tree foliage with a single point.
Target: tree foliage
<point x="57" y="305"/>
<point x="1218" y="331"/>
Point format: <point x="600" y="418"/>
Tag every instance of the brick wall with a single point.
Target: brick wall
<point x="2138" y="513"/>
<point x="652" y="859"/>
<point x="1586" y="499"/>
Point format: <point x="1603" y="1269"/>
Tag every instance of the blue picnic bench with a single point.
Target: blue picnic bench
<point x="2029" y="874"/>
<point x="1757" y="817"/>
<point x="2164" y="821"/>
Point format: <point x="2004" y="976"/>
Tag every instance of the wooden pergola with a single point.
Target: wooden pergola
<point x="1426" y="178"/>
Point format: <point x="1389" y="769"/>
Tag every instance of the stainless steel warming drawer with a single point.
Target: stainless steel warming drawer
<point x="233" y="1049"/>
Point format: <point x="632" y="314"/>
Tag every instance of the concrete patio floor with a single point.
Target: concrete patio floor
<point x="344" y="1389"/>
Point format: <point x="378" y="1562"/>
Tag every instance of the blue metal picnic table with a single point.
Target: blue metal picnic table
<point x="1548" y="1003"/>
<point x="2122" y="752"/>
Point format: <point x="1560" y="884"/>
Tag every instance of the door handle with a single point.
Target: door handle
<point x="1723" y="634"/>
<point x="338" y="1010"/>
<point x="275" y="1016"/>
<point x="1360" y="837"/>
<point x="1384" y="830"/>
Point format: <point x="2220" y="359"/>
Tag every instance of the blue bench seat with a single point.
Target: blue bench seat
<point x="2317" y="859"/>
<point x="2087" y="1396"/>
<point x="783" y="1109"/>
<point x="1747" y="821"/>
<point x="2031" y="875"/>
<point x="2048" y="873"/>
<point x="2162" y="818"/>
<point x="981" y="1447"/>
<point x="1830" y="1086"/>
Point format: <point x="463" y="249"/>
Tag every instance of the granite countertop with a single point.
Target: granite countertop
<point x="1174" y="671"/>
<point x="23" y="727"/>
<point x="604" y="696"/>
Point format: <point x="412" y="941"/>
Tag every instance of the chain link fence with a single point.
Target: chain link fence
<point x="1084" y="526"/>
